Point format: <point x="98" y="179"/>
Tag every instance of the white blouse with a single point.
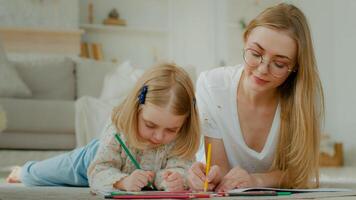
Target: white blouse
<point x="216" y="99"/>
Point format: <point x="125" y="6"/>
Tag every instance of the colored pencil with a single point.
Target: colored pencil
<point x="208" y="160"/>
<point x="133" y="160"/>
<point x="160" y="195"/>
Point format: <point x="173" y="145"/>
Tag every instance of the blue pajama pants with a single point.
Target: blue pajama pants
<point x="68" y="169"/>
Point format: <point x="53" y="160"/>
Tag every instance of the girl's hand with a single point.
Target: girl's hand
<point x="196" y="176"/>
<point x="173" y="181"/>
<point x="236" y="178"/>
<point x="136" y="181"/>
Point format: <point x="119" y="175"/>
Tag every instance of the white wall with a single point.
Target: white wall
<point x="137" y="13"/>
<point x="333" y="26"/>
<point x="192" y="32"/>
<point x="229" y="40"/>
<point x="189" y="41"/>
<point x="344" y="69"/>
<point x="142" y="48"/>
<point x="54" y="14"/>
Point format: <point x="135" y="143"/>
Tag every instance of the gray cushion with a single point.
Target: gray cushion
<point x="11" y="84"/>
<point x="48" y="77"/>
<point x="39" y="115"/>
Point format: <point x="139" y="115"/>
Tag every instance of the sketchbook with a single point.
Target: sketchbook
<point x="290" y="190"/>
<point x="157" y="195"/>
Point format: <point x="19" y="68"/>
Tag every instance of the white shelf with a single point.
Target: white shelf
<point x="112" y="28"/>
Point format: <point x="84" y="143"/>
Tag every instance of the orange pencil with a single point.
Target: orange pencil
<point x="208" y="159"/>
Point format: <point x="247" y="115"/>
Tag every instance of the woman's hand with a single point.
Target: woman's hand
<point x="236" y="178"/>
<point x="196" y="176"/>
<point x="173" y="181"/>
<point x="136" y="181"/>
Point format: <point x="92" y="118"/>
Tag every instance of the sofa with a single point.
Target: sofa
<point x="45" y="118"/>
<point x="54" y="102"/>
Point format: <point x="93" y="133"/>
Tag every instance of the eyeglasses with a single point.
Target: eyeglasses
<point x="253" y="59"/>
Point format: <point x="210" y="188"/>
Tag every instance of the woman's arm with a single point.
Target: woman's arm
<point x="268" y="179"/>
<point x="219" y="167"/>
<point x="240" y="178"/>
<point x="218" y="154"/>
<point x="104" y="171"/>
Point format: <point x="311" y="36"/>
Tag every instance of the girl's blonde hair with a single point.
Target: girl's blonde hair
<point x="168" y="85"/>
<point x="302" y="100"/>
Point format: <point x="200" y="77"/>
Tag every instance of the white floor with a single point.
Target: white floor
<point x="339" y="177"/>
<point x="18" y="191"/>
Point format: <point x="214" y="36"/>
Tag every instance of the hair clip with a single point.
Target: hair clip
<point x="142" y="95"/>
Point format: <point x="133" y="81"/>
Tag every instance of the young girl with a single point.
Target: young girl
<point x="263" y="117"/>
<point x="159" y="124"/>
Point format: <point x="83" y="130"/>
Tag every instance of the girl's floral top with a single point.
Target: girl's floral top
<point x="111" y="163"/>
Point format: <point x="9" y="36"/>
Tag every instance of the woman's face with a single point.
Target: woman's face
<point x="157" y="125"/>
<point x="278" y="51"/>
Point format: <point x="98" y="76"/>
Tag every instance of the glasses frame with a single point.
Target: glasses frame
<point x="290" y="69"/>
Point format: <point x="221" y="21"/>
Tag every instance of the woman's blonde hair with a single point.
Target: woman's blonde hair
<point x="302" y="100"/>
<point x="168" y="85"/>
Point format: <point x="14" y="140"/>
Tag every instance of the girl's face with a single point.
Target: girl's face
<point x="157" y="125"/>
<point x="277" y="50"/>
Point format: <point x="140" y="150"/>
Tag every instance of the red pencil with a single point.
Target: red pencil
<point x="184" y="196"/>
<point x="162" y="196"/>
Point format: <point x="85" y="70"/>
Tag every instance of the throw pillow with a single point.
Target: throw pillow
<point x="119" y="83"/>
<point x="90" y="76"/>
<point x="11" y="84"/>
<point x="91" y="116"/>
<point x="49" y="77"/>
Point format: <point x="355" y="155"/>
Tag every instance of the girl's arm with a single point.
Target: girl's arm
<point x="176" y="168"/>
<point x="104" y="171"/>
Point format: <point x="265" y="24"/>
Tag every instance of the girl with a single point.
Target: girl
<point x="159" y="124"/>
<point x="263" y="117"/>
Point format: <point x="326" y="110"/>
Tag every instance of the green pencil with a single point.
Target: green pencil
<point x="133" y="160"/>
<point x="283" y="193"/>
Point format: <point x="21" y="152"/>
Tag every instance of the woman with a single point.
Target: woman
<point x="263" y="117"/>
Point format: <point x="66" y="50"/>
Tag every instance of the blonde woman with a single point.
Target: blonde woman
<point x="159" y="124"/>
<point x="263" y="117"/>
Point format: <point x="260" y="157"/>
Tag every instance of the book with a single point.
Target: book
<point x="295" y="193"/>
<point x="239" y="190"/>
